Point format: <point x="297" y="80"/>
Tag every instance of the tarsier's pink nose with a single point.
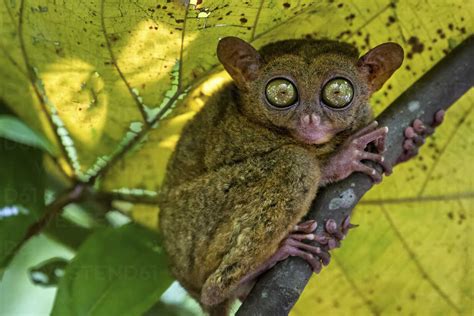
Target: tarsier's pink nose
<point x="310" y="120"/>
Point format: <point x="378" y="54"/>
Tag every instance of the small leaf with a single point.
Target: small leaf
<point x="49" y="272"/>
<point x="15" y="130"/>
<point x="117" y="271"/>
<point x="21" y="195"/>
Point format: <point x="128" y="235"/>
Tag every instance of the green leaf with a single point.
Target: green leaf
<point x="15" y="130"/>
<point x="21" y="195"/>
<point x="117" y="271"/>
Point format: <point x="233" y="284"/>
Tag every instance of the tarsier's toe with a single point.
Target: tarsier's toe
<point x="316" y="252"/>
<point x="306" y="227"/>
<point x="415" y="136"/>
<point x="439" y="118"/>
<point x="371" y="172"/>
<point x="334" y="233"/>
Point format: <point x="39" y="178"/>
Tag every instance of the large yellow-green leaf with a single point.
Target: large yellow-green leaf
<point x="95" y="76"/>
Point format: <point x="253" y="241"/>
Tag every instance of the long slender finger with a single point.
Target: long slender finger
<point x="314" y="263"/>
<point x="325" y="257"/>
<point x="303" y="236"/>
<point x="380" y="145"/>
<point x="371" y="172"/>
<point x="306" y="227"/>
<point x="365" y="139"/>
<point x="365" y="130"/>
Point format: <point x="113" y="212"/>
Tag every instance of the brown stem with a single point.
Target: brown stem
<point x="52" y="211"/>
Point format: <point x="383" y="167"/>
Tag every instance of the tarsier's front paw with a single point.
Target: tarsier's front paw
<point x="415" y="136"/>
<point x="349" y="158"/>
<point x="317" y="257"/>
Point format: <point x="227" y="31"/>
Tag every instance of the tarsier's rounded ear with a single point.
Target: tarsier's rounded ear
<point x="380" y="63"/>
<point x="240" y="59"/>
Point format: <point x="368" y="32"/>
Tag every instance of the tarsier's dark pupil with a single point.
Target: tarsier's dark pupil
<point x="337" y="93"/>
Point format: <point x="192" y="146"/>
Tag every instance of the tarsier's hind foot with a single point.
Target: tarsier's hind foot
<point x="335" y="234"/>
<point x="316" y="256"/>
<point x="350" y="157"/>
<point x="415" y="136"/>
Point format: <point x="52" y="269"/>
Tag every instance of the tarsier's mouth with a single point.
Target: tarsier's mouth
<point x="315" y="135"/>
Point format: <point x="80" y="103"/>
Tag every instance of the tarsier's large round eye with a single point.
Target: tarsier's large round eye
<point x="281" y="93"/>
<point x="338" y="93"/>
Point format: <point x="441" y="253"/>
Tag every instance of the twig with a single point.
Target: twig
<point x="52" y="211"/>
<point x="277" y="290"/>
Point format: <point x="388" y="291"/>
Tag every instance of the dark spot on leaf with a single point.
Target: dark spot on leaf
<point x="450" y="215"/>
<point x="451" y="26"/>
<point x="416" y="45"/>
<point x="462" y="30"/>
<point x="340" y="5"/>
<point x="228" y="13"/>
<point x="413" y="296"/>
<point x="391" y="20"/>
<point x="114" y="37"/>
<point x="399" y="308"/>
<point x="367" y="40"/>
<point x="179" y="20"/>
<point x="243" y="20"/>
<point x="286" y="5"/>
<point x="350" y="17"/>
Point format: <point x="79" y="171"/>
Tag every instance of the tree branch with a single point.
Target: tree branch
<point x="277" y="290"/>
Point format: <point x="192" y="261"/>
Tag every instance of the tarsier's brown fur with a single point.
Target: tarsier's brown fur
<point x="240" y="179"/>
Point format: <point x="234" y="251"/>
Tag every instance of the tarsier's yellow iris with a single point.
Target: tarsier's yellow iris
<point x="338" y="93"/>
<point x="281" y="93"/>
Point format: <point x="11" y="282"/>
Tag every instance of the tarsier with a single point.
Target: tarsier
<point x="248" y="166"/>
